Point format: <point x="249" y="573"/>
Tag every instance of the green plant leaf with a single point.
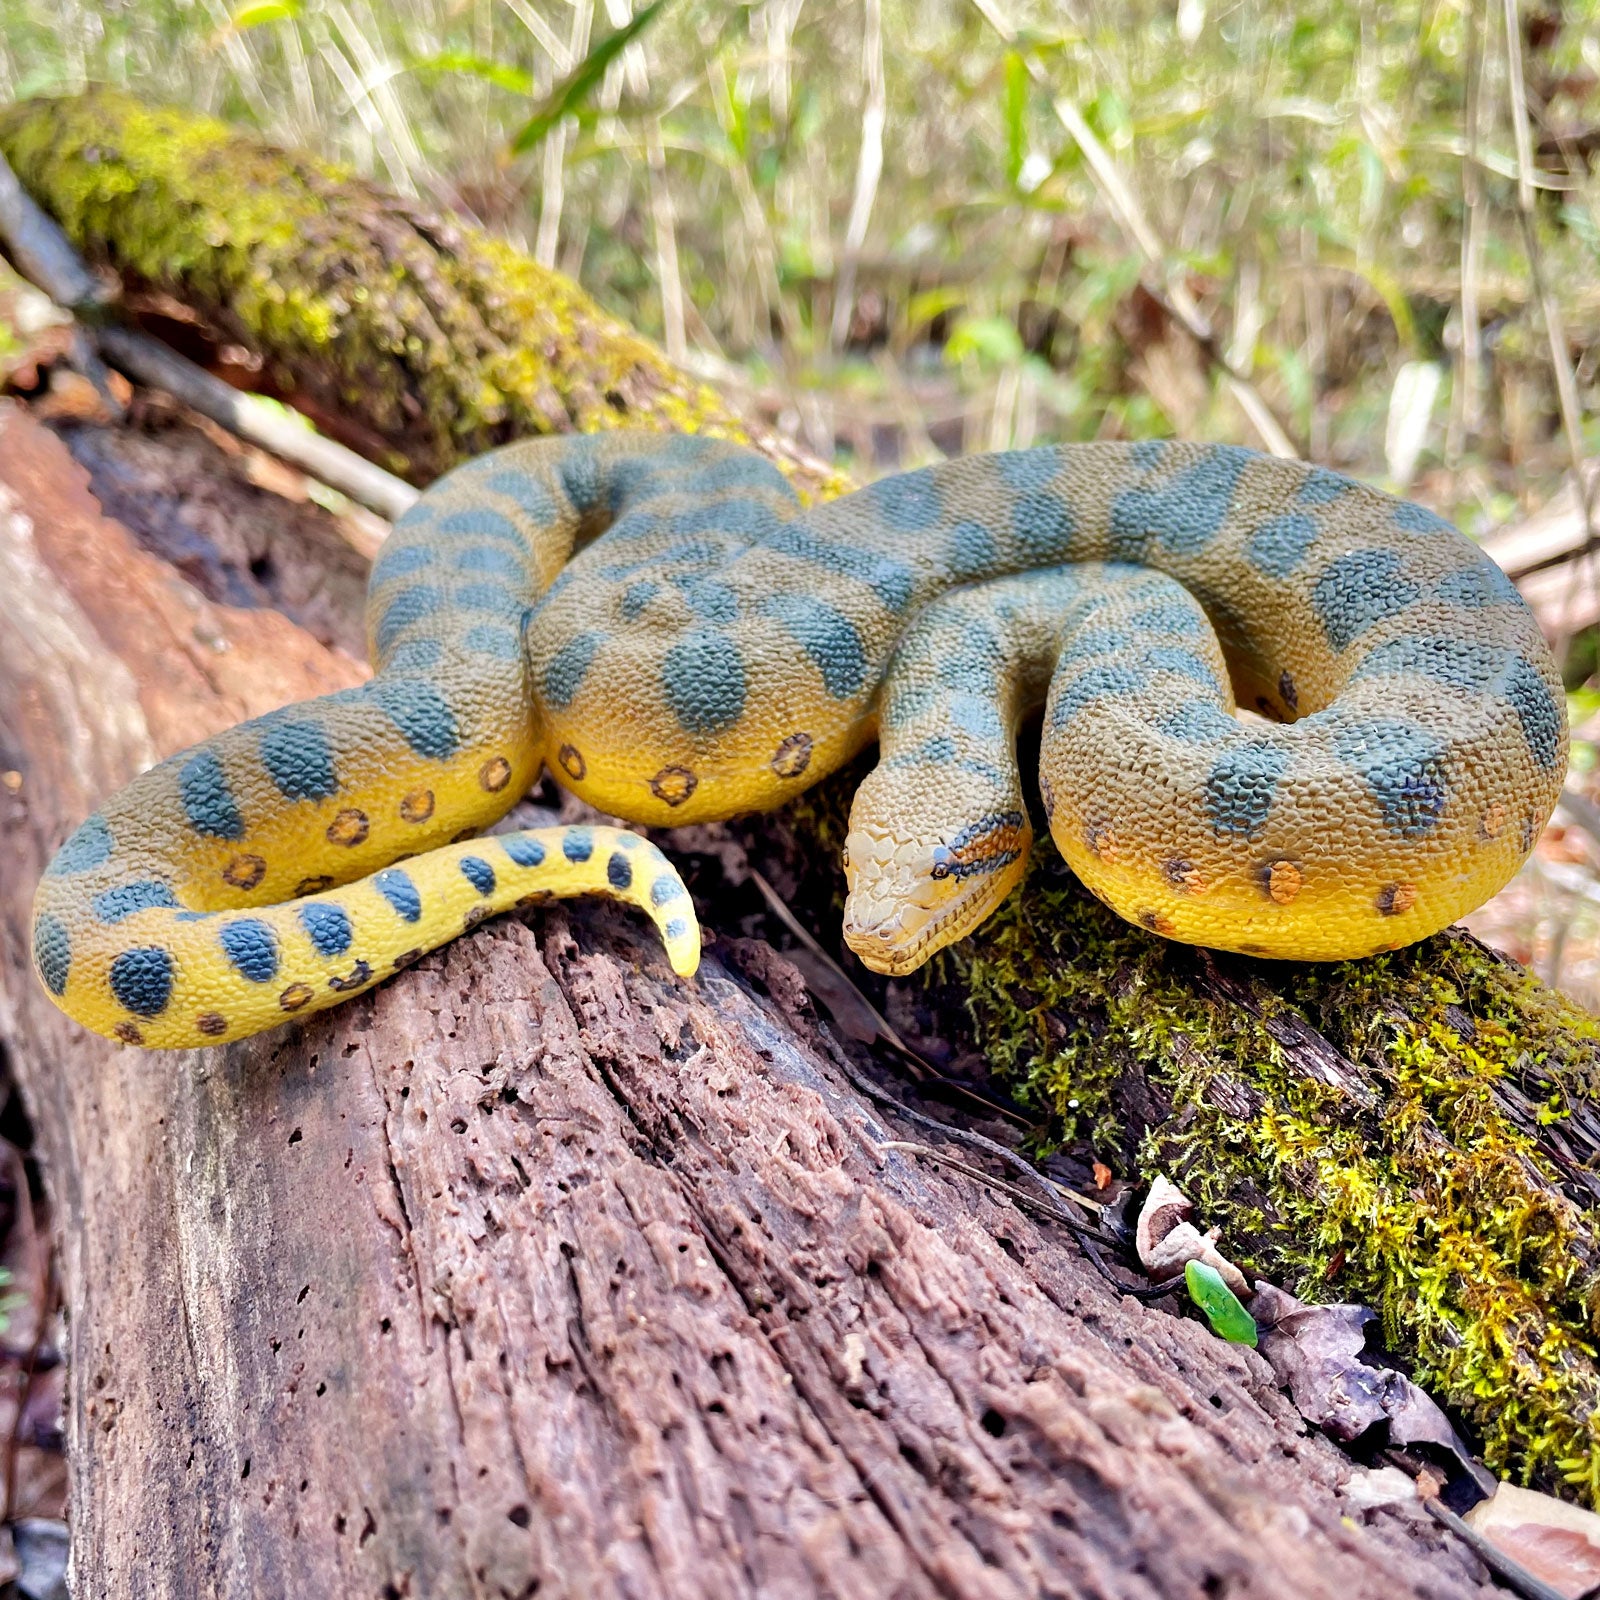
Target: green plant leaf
<point x="1224" y="1310"/>
<point x="993" y="340"/>
<point x="1013" y="111"/>
<point x="256" y="12"/>
<point x="513" y="79"/>
<point x="568" y="96"/>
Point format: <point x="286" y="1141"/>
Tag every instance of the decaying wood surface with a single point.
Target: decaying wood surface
<point x="538" y="1271"/>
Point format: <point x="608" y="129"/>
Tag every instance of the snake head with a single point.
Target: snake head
<point x="915" y="888"/>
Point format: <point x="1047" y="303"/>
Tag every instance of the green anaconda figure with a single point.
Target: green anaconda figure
<point x="662" y="623"/>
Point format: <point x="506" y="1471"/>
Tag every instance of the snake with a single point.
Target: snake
<point x="1280" y="712"/>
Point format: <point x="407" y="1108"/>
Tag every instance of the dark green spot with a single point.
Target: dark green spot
<point x="1358" y="591"/>
<point x="829" y="637"/>
<point x="251" y="948"/>
<point x="298" y="760"/>
<point x="1183" y="514"/>
<point x="491" y="559"/>
<point x="421" y="713"/>
<point x="328" y="927"/>
<point x="493" y="639"/>
<point x="1241" y="787"/>
<point x="409" y="606"/>
<point x="523" y="850"/>
<point x="565" y="674"/>
<point x="1403" y="767"/>
<point x="87" y="847"/>
<point x="114" y="904"/>
<point x="703" y="679"/>
<point x="397" y="888"/>
<point x="399" y="561"/>
<point x="1072" y="695"/>
<point x="52" y="951"/>
<point x="478" y="873"/>
<point x="1278" y="546"/>
<point x="141" y="980"/>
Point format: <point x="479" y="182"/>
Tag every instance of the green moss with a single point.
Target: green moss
<point x="395" y="327"/>
<point x="1445" y="1204"/>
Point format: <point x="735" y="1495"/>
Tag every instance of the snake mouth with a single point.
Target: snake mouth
<point x="875" y="942"/>
<point x="910" y="898"/>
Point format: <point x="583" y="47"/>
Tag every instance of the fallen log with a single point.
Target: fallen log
<point x="539" y="1271"/>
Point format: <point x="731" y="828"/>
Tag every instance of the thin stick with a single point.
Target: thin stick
<point x="45" y="255"/>
<point x="41" y="252"/>
<point x="1501" y="1565"/>
<point x="923" y="1070"/>
<point x="151" y="362"/>
<point x="1090" y="1238"/>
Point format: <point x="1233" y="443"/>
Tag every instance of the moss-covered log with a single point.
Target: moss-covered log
<point x="407" y="334"/>
<point x="1418" y="1130"/>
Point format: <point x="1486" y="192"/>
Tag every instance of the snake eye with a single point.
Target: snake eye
<point x="941" y="869"/>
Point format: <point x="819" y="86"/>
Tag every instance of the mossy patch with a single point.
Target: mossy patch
<point x="413" y="335"/>
<point x="1446" y="1179"/>
<point x="1449" y="1201"/>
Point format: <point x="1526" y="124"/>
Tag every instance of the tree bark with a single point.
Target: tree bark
<point x="538" y="1271"/>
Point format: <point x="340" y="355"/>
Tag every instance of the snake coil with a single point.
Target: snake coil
<point x="663" y="624"/>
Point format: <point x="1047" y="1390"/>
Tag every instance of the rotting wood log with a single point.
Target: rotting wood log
<point x="407" y="335"/>
<point x="537" y="1271"/>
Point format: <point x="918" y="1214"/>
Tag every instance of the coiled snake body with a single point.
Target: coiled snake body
<point x="662" y="623"/>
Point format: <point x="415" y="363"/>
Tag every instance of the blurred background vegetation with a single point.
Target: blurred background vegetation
<point x="910" y="228"/>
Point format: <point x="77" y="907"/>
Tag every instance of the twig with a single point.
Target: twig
<point x="151" y="362"/>
<point x="45" y="257"/>
<point x="775" y="903"/>
<point x="1171" y="291"/>
<point x="923" y="1069"/>
<point x="1090" y="1238"/>
<point x="1512" y="1573"/>
<point x="44" y="254"/>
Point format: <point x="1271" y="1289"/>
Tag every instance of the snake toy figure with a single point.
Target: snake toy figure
<point x="660" y="621"/>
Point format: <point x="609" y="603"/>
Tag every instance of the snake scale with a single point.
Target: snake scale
<point x="662" y="623"/>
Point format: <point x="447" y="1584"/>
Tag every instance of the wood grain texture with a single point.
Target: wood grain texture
<point x="538" y="1272"/>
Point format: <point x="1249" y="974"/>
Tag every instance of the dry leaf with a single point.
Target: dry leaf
<point x="1557" y="1542"/>
<point x="1368" y="1488"/>
<point x="1316" y="1353"/>
<point x="1167" y="1241"/>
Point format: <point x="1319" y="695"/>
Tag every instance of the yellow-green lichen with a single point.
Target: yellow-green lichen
<point x="414" y="336"/>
